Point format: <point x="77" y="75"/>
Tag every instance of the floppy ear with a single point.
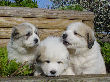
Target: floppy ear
<point x="15" y="33"/>
<point x="90" y="40"/>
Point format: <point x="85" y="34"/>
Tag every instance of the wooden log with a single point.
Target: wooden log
<point x="45" y="13"/>
<point x="43" y="33"/>
<point x="3" y="42"/>
<point x="5" y="33"/>
<point x="39" y="22"/>
<point x="49" y="22"/>
<point x="66" y="78"/>
<point x="89" y="23"/>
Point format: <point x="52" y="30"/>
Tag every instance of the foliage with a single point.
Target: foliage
<point x="19" y="3"/>
<point x="105" y="49"/>
<point x="101" y="10"/>
<point x="11" y="68"/>
<point x="5" y="3"/>
<point x="29" y="3"/>
<point x="61" y="3"/>
<point x="72" y="7"/>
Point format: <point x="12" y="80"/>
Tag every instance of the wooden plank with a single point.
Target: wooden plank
<point x="3" y="42"/>
<point x="45" y="13"/>
<point x="39" y="22"/>
<point x="89" y="23"/>
<point x="66" y="78"/>
<point x="6" y="32"/>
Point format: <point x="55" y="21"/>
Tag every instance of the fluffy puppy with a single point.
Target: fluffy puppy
<point x="54" y="58"/>
<point x="85" y="55"/>
<point x="23" y="43"/>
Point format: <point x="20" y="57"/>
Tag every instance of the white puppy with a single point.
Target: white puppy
<point x="54" y="58"/>
<point x="85" y="55"/>
<point x="23" y="43"/>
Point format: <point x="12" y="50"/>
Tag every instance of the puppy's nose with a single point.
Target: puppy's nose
<point x="53" y="72"/>
<point x="64" y="36"/>
<point x="36" y="40"/>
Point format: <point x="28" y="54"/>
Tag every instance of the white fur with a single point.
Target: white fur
<point x="83" y="59"/>
<point x="23" y="49"/>
<point x="53" y="50"/>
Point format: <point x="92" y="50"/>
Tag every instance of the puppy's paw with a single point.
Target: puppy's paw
<point x="36" y="73"/>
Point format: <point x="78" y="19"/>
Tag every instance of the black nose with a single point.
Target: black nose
<point x="53" y="72"/>
<point x="64" y="36"/>
<point x="36" y="40"/>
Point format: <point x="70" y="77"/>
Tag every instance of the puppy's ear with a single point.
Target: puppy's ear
<point x="90" y="40"/>
<point x="15" y="33"/>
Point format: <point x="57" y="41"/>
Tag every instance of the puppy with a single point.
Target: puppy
<point x="54" y="58"/>
<point x="85" y="55"/>
<point x="23" y="43"/>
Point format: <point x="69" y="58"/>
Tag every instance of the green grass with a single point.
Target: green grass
<point x="11" y="68"/>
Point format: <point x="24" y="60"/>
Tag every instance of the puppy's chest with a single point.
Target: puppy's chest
<point x="79" y="62"/>
<point x="28" y="57"/>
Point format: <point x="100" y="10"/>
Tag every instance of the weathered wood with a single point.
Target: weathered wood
<point x="5" y="33"/>
<point x="76" y="78"/>
<point x="89" y="23"/>
<point x="3" y="42"/>
<point x="45" y="13"/>
<point x="49" y="22"/>
<point x="39" y="22"/>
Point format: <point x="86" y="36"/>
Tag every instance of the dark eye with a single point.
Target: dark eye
<point x="59" y="62"/>
<point x="28" y="34"/>
<point x="47" y="61"/>
<point x="75" y="33"/>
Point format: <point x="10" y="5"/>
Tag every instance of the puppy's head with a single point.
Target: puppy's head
<point x="78" y="35"/>
<point x="25" y="34"/>
<point x="54" y="58"/>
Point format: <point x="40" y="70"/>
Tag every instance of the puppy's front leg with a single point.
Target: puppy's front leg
<point x="37" y="73"/>
<point x="38" y="70"/>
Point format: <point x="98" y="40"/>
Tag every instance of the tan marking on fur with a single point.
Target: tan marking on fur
<point x="86" y="31"/>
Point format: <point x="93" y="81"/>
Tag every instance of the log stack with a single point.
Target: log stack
<point x="49" y="22"/>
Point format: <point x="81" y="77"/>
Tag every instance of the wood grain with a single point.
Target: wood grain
<point x="45" y="13"/>
<point x="5" y="33"/>
<point x="43" y="33"/>
<point x="49" y="22"/>
<point x="38" y="22"/>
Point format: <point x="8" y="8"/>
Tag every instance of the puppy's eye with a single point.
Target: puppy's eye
<point x="28" y="34"/>
<point x="75" y="33"/>
<point x="59" y="62"/>
<point x="47" y="61"/>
